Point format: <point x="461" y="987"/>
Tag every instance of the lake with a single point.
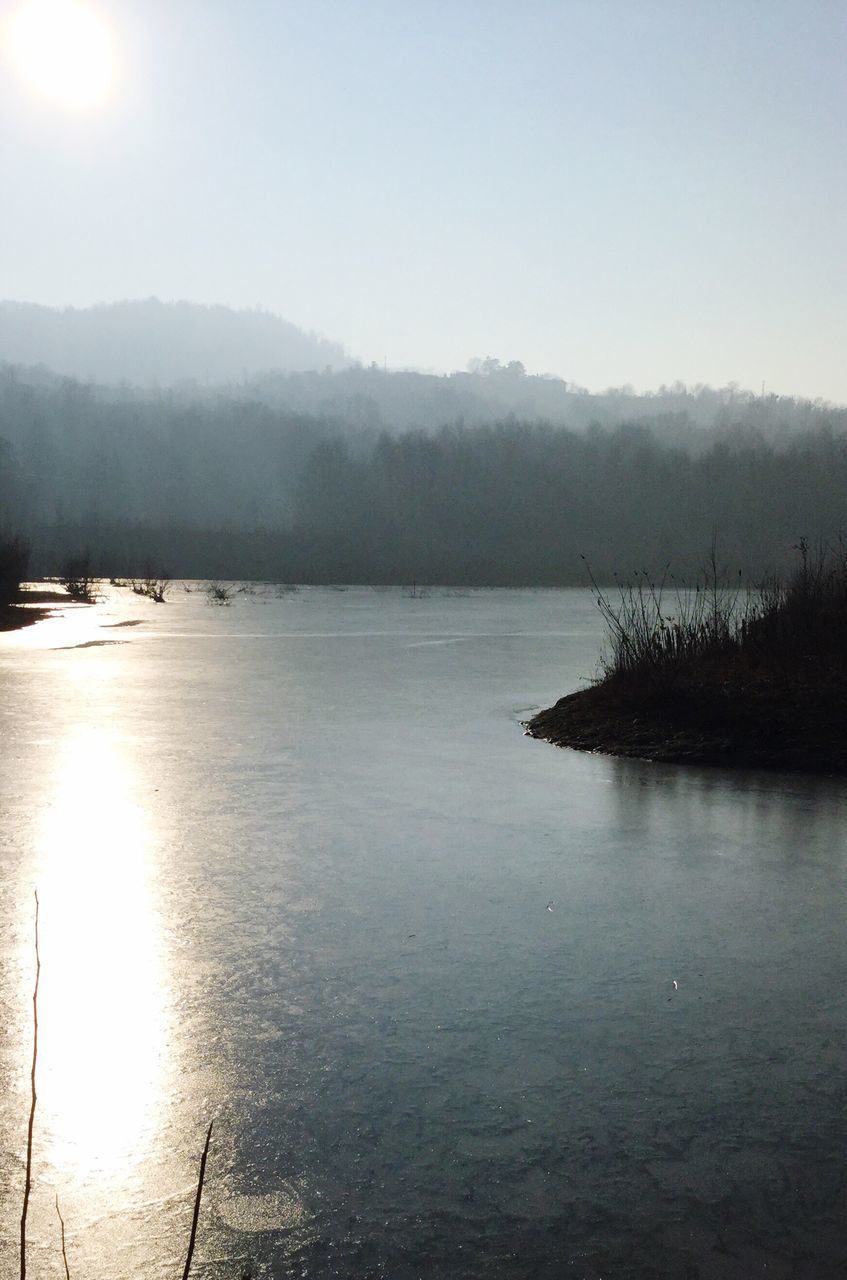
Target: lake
<point x="460" y="1004"/>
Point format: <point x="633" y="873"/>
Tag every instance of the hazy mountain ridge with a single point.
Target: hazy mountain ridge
<point x="401" y="400"/>
<point x="150" y="342"/>
<point x="365" y="474"/>
<point x="193" y="352"/>
<point x="221" y="483"/>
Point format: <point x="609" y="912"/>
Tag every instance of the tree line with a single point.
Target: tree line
<point x="226" y="485"/>
<point x="519" y="503"/>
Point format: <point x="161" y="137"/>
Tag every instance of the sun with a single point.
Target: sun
<point x="64" y="52"/>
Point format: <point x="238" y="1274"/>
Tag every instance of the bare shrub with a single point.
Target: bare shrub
<point x="219" y="592"/>
<point x="78" y="580"/>
<point x="153" y="587"/>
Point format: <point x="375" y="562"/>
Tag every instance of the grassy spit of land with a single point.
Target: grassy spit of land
<point x="712" y="675"/>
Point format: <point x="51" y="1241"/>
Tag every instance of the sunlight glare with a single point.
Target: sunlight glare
<point x="103" y="1003"/>
<point x="64" y="52"/>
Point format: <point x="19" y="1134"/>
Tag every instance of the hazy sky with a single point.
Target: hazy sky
<point x="624" y="191"/>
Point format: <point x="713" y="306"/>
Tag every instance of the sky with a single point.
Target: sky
<point x="613" y="191"/>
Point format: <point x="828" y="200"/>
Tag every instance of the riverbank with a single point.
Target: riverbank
<point x="719" y="714"/>
<point x="32" y="606"/>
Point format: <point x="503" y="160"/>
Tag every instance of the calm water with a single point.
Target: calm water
<point x="461" y="1004"/>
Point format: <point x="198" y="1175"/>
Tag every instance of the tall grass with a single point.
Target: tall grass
<point x="659" y="630"/>
<point x="803" y="624"/>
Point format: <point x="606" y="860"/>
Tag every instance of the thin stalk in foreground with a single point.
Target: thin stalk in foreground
<point x="33" y="1094"/>
<point x="197" y="1202"/>
<point x="64" y="1252"/>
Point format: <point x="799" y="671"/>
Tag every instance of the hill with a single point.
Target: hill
<point x="151" y="342"/>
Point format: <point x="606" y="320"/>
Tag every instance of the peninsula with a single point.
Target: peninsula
<point x="712" y="678"/>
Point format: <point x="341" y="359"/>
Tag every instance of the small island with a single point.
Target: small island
<point x="713" y="675"/>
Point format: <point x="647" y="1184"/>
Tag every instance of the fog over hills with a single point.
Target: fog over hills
<point x="405" y="400"/>
<point x="200" y="352"/>
<point x="151" y="342"/>
<point x="221" y="484"/>
<point x="218" y="459"/>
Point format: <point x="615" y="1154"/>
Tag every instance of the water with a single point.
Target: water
<point x="461" y="1004"/>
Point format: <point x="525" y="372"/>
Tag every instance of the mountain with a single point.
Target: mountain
<point x="151" y="342"/>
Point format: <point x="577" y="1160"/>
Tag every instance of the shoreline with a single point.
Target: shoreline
<point x="29" y="608"/>
<point x="790" y="725"/>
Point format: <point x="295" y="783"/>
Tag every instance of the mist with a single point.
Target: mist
<point x="155" y="343"/>
<point x="361" y="474"/>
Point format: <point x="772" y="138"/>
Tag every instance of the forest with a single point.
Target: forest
<point x="363" y="475"/>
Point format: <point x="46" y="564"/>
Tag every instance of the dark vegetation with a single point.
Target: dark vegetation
<point x="489" y="477"/>
<point x="717" y="674"/>
<point x="220" y="593"/>
<point x="78" y="580"/>
<point x="14" y="565"/>
<point x="153" y="586"/>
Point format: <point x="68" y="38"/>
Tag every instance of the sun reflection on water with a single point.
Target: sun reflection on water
<point x="103" y="1002"/>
